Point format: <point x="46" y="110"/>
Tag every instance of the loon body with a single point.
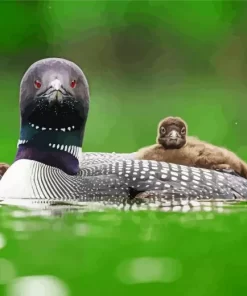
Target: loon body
<point x="116" y="180"/>
<point x="50" y="167"/>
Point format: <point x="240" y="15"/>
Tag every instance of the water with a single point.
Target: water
<point x="64" y="251"/>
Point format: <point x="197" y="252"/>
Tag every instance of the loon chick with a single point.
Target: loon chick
<point x="50" y="168"/>
<point x="173" y="145"/>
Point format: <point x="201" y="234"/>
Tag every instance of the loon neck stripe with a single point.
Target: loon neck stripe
<point x="72" y="149"/>
<point x="64" y="129"/>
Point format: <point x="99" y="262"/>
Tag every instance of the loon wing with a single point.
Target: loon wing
<point x="164" y="180"/>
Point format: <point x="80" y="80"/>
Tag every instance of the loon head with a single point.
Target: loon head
<point x="54" y="104"/>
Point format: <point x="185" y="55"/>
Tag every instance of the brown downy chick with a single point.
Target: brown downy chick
<point x="174" y="146"/>
<point x="171" y="137"/>
<point x="3" y="168"/>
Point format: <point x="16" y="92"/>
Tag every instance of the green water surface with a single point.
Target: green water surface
<point x="123" y="253"/>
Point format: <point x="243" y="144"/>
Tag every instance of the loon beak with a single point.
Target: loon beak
<point x="56" y="94"/>
<point x="56" y="84"/>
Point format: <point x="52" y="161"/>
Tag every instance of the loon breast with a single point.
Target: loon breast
<point x="28" y="179"/>
<point x="18" y="180"/>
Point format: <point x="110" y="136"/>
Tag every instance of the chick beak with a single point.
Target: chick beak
<point x="56" y="94"/>
<point x="173" y="135"/>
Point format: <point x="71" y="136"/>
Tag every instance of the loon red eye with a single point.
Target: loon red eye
<point x="73" y="83"/>
<point x="37" y="84"/>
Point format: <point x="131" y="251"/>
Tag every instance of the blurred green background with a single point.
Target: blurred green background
<point x="144" y="60"/>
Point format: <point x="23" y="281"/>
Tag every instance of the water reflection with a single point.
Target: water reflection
<point x="43" y="285"/>
<point x="71" y="251"/>
<point x="147" y="269"/>
<point x="183" y="206"/>
<point x="2" y="241"/>
<point x="7" y="271"/>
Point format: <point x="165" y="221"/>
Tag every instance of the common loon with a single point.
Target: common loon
<point x="50" y="168"/>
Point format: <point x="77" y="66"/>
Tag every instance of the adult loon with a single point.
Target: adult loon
<point x="50" y="168"/>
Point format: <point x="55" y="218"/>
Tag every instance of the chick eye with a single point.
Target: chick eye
<point x="162" y="130"/>
<point x="73" y="83"/>
<point x="183" y="131"/>
<point x="37" y="84"/>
